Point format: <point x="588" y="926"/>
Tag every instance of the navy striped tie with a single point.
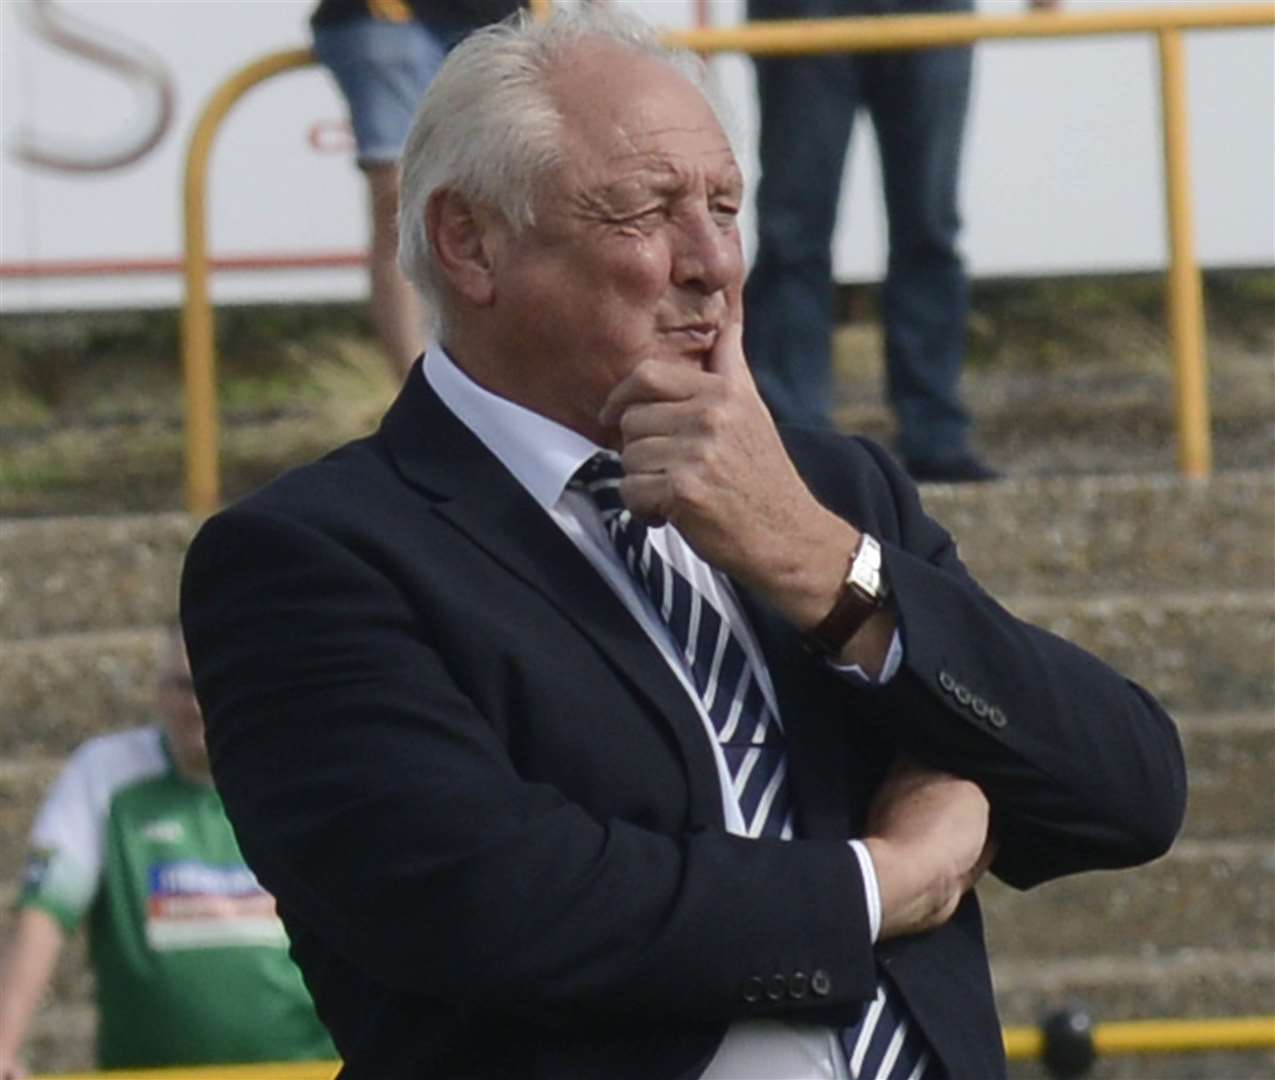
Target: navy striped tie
<point x="747" y="731"/>
<point x="881" y="1044"/>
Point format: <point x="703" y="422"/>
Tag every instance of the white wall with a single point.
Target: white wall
<point x="1062" y="171"/>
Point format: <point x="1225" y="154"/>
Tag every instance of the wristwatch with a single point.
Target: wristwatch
<point x="863" y="593"/>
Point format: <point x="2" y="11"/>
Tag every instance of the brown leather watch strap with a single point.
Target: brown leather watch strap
<point x="854" y="605"/>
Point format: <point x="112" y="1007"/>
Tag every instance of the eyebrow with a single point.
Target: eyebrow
<point x="660" y="177"/>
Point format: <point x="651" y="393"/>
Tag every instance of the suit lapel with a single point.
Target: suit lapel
<point x="473" y="491"/>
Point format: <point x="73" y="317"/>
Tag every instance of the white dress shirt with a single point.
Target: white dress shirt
<point x="543" y="456"/>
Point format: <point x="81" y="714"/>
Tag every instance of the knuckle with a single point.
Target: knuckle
<point x="648" y="374"/>
<point x="628" y="424"/>
<point x="715" y="416"/>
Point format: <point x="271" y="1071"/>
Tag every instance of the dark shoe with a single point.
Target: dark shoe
<point x="963" y="468"/>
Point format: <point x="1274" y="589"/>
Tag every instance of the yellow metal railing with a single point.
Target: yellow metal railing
<point x="1156" y="1037"/>
<point x="291" y="1070"/>
<point x="203" y="490"/>
<point x="800" y="37"/>
<point x="1021" y="1044"/>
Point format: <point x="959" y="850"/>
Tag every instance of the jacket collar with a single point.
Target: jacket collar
<point x="439" y="456"/>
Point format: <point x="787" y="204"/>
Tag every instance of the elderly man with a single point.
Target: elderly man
<point x="583" y="725"/>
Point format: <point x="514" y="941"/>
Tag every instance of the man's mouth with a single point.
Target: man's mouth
<point x="697" y="337"/>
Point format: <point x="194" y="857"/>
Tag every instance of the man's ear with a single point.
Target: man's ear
<point x="464" y="238"/>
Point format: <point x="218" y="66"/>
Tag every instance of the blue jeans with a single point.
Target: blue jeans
<point x="917" y="101"/>
<point x="383" y="70"/>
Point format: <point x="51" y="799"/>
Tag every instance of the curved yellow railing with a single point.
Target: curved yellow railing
<point x="1021" y="1043"/>
<point x="801" y="37"/>
<point x="203" y="491"/>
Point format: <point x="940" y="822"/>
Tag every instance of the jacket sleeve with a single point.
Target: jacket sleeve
<point x="387" y="817"/>
<point x="1083" y="768"/>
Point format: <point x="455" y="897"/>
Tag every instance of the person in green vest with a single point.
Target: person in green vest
<point x="191" y="961"/>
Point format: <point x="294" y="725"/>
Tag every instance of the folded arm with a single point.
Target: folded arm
<point x="1083" y="768"/>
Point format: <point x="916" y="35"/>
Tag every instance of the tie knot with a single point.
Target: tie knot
<point x="599" y="478"/>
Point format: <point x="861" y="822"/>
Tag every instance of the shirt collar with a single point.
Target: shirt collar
<point x="541" y="454"/>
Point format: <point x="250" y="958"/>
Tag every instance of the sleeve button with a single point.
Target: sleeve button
<point x="821" y="983"/>
<point x="946" y="681"/>
<point x="963" y="695"/>
<point x="776" y="987"/>
<point x="980" y="707"/>
<point x="997" y="718"/>
<point x="751" y="989"/>
<point x="798" y="984"/>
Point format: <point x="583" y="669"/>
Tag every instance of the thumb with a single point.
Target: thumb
<point x="726" y="358"/>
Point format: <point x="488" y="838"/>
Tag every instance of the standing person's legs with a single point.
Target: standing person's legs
<point x="383" y="69"/>
<point x="807" y="108"/>
<point x="397" y="311"/>
<point x="918" y="102"/>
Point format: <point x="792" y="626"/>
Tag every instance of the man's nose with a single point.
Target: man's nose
<point x="708" y="256"/>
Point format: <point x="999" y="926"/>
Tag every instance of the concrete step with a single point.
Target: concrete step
<point x="60" y="575"/>
<point x="1187" y="983"/>
<point x="1212" y="895"/>
<point x="1200" y="651"/>
<point x="23" y="785"/>
<point x="1080" y="418"/>
<point x="1101" y="534"/>
<point x="1205" y="651"/>
<point x="1230" y="765"/>
<point x="56" y="691"/>
<point x="1254" y="1065"/>
<point x="1082" y="535"/>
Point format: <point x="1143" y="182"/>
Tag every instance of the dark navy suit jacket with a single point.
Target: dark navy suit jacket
<point x="489" y="813"/>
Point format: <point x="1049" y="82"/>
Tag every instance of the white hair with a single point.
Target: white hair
<point x="489" y="128"/>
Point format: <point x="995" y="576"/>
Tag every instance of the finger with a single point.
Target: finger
<point x="647" y="496"/>
<point x="985" y="859"/>
<point x="650" y="455"/>
<point x="645" y="420"/>
<point x="651" y="380"/>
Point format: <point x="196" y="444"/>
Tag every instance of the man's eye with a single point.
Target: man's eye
<point x="725" y="212"/>
<point x="649" y="216"/>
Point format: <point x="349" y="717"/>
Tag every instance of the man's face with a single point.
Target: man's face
<point x="635" y="253"/>
<point x="183" y="723"/>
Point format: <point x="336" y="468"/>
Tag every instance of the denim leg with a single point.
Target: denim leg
<point x="918" y="102"/>
<point x="807" y="107"/>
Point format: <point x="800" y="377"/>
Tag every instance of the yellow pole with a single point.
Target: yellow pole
<point x="1156" y="1037"/>
<point x="287" y="1070"/>
<point x="1023" y="1043"/>
<point x="799" y="37"/>
<point x="1186" y="295"/>
<point x="198" y="356"/>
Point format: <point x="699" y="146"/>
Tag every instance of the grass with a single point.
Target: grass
<point x="91" y="403"/>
